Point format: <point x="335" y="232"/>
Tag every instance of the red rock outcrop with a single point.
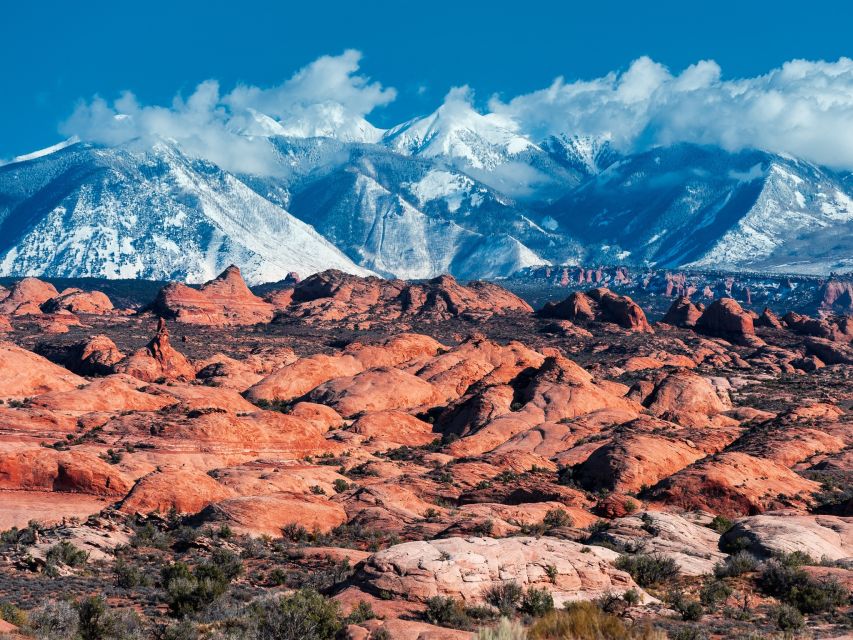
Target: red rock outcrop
<point x="225" y="300"/>
<point x="333" y="296"/>
<point x="836" y="328"/>
<point x="29" y="293"/>
<point x="71" y="471"/>
<point x="23" y="374"/>
<point x="725" y="318"/>
<point x="79" y="301"/>
<point x="159" y="360"/>
<point x="184" y="491"/>
<point x="682" y="313"/>
<point x="94" y="357"/>
<point x="599" y="305"/>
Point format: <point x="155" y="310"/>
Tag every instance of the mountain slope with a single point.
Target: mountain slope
<point x="120" y="213"/>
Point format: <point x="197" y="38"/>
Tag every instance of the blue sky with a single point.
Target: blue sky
<point x="59" y="53"/>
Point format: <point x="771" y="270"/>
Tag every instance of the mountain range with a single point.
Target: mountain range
<point x="455" y="192"/>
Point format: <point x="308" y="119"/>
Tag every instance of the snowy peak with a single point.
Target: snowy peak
<point x="589" y="154"/>
<point x="457" y="131"/>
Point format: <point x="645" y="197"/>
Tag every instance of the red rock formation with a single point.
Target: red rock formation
<point x="95" y="357"/>
<point x="24" y="374"/>
<point x="837" y="328"/>
<point x="225" y="300"/>
<point x="158" y="360"/>
<point x="725" y="318"/>
<point x="49" y="470"/>
<point x="601" y="305"/>
<point x="79" y="301"/>
<point x="184" y="491"/>
<point x="682" y="313"/>
<point x="768" y="319"/>
<point x="29" y="293"/>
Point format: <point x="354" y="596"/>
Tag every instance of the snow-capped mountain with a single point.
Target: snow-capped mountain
<point x="456" y="191"/>
<point x="117" y="213"/>
<point x="704" y="207"/>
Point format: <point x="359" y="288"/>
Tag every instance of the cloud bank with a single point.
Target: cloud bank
<point x="803" y="108"/>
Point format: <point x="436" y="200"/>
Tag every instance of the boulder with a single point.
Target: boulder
<point x="682" y="313"/>
<point x="466" y="567"/>
<point x="821" y="537"/>
<point x="29" y="293"/>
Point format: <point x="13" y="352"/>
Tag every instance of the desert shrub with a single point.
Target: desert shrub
<point x="688" y="633"/>
<point x="736" y="565"/>
<point x="537" y="602"/>
<point x="128" y="575"/>
<point x="340" y="485"/>
<point x="690" y="610"/>
<point x="446" y="612"/>
<point x="506" y="629"/>
<point x="148" y="535"/>
<point x="649" y="570"/>
<point x="793" y="585"/>
<point x="183" y="630"/>
<point x="187" y="592"/>
<point x="721" y="524"/>
<point x="786" y="618"/>
<point x="360" y="613"/>
<point x="556" y="518"/>
<point x="305" y="615"/>
<point x="585" y="621"/>
<point x="741" y="543"/>
<point x="504" y="597"/>
<point x="96" y="621"/>
<point x="66" y="553"/>
<point x="713" y="593"/>
<point x="54" y="620"/>
<point x="12" y="614"/>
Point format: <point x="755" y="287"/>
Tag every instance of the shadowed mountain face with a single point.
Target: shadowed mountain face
<point x="422" y="200"/>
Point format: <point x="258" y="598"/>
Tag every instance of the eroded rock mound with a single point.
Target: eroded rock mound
<point x="599" y="305"/>
<point x="682" y="313"/>
<point x="333" y="296"/>
<point x="184" y="491"/>
<point x="466" y="567"/>
<point x="725" y="318"/>
<point x="225" y="300"/>
<point x="820" y="537"/>
<point x="79" y="301"/>
<point x="26" y="296"/>
<point x="69" y="471"/>
<point x="24" y="373"/>
<point x="158" y="360"/>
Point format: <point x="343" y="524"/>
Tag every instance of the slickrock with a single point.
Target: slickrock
<point x="297" y="379"/>
<point x="684" y="391"/>
<point x="694" y="547"/>
<point x="599" y="305"/>
<point x="820" y="537"/>
<point x="71" y="471"/>
<point x="734" y="484"/>
<point x="466" y="567"/>
<point x="836" y="328"/>
<point x="374" y="390"/>
<point x="269" y="514"/>
<point x="394" y="429"/>
<point x="23" y="374"/>
<point x="829" y="351"/>
<point x="184" y="491"/>
<point x="79" y="301"/>
<point x="114" y="393"/>
<point x="5" y="325"/>
<point x="158" y="360"/>
<point x="29" y="293"/>
<point x="225" y="300"/>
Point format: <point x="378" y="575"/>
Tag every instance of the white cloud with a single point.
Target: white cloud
<point x="802" y="108"/>
<point x="207" y="124"/>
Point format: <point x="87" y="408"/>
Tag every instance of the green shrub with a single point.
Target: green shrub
<point x="187" y="592"/>
<point x="54" y="620"/>
<point x="361" y="613"/>
<point x="792" y="585"/>
<point x="99" y="622"/>
<point x="305" y="615"/>
<point x="736" y="565"/>
<point x="446" y="612"/>
<point x="786" y="618"/>
<point x="713" y="593"/>
<point x="340" y="485"/>
<point x="649" y="570"/>
<point x="128" y="576"/>
<point x="66" y="553"/>
<point x="504" y="597"/>
<point x="12" y="614"/>
<point x="537" y="602"/>
<point x="721" y="524"/>
<point x="556" y="518"/>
